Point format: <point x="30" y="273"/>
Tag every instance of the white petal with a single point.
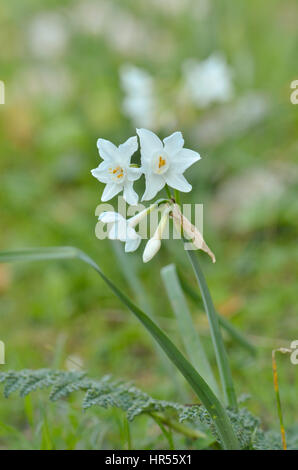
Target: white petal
<point x="101" y="175"/>
<point x="110" y="216"/>
<point x="129" y="194"/>
<point x="128" y="148"/>
<point x="150" y="143"/>
<point x="184" y="159"/>
<point x="118" y="231"/>
<point x="131" y="234"/>
<point x="132" y="244"/>
<point x="173" y="143"/>
<point x="177" y="181"/>
<point x="133" y="174"/>
<point x="107" y="150"/>
<point x="110" y="191"/>
<point x="104" y="166"/>
<point x="154" y="183"/>
<point x="152" y="247"/>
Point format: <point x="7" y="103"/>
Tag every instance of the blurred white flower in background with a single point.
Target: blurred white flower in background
<point x="209" y="81"/>
<point x="47" y="35"/>
<point x="139" y="102"/>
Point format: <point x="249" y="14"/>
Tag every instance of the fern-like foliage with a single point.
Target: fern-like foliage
<point x="108" y="392"/>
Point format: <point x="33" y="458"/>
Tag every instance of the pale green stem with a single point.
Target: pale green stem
<point x="177" y="196"/>
<point x="169" y="194"/>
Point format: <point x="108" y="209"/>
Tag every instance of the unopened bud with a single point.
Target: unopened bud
<point x="151" y="249"/>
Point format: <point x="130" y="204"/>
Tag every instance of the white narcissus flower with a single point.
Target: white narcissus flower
<point x="121" y="230"/>
<point x="139" y="101"/>
<point x="164" y="163"/>
<point x="116" y="170"/>
<point x="124" y="229"/>
<point x="209" y="81"/>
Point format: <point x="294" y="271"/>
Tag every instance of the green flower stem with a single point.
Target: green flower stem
<point x="218" y="344"/>
<point x="169" y="194"/>
<point x="215" y="409"/>
<point x="177" y="196"/>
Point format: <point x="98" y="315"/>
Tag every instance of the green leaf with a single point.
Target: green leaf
<point x="218" y="344"/>
<point x="190" y="337"/>
<point x="198" y="384"/>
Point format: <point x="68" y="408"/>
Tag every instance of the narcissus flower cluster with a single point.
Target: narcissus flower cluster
<point x="163" y="164"/>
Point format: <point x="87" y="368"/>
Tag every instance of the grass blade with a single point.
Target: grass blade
<point x="198" y="384"/>
<point x="190" y="337"/>
<point x="220" y="352"/>
<point x="224" y="323"/>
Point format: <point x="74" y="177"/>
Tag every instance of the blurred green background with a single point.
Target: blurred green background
<point x="62" y="64"/>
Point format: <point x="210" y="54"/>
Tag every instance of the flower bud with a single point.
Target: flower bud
<point x="154" y="244"/>
<point x="152" y="247"/>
